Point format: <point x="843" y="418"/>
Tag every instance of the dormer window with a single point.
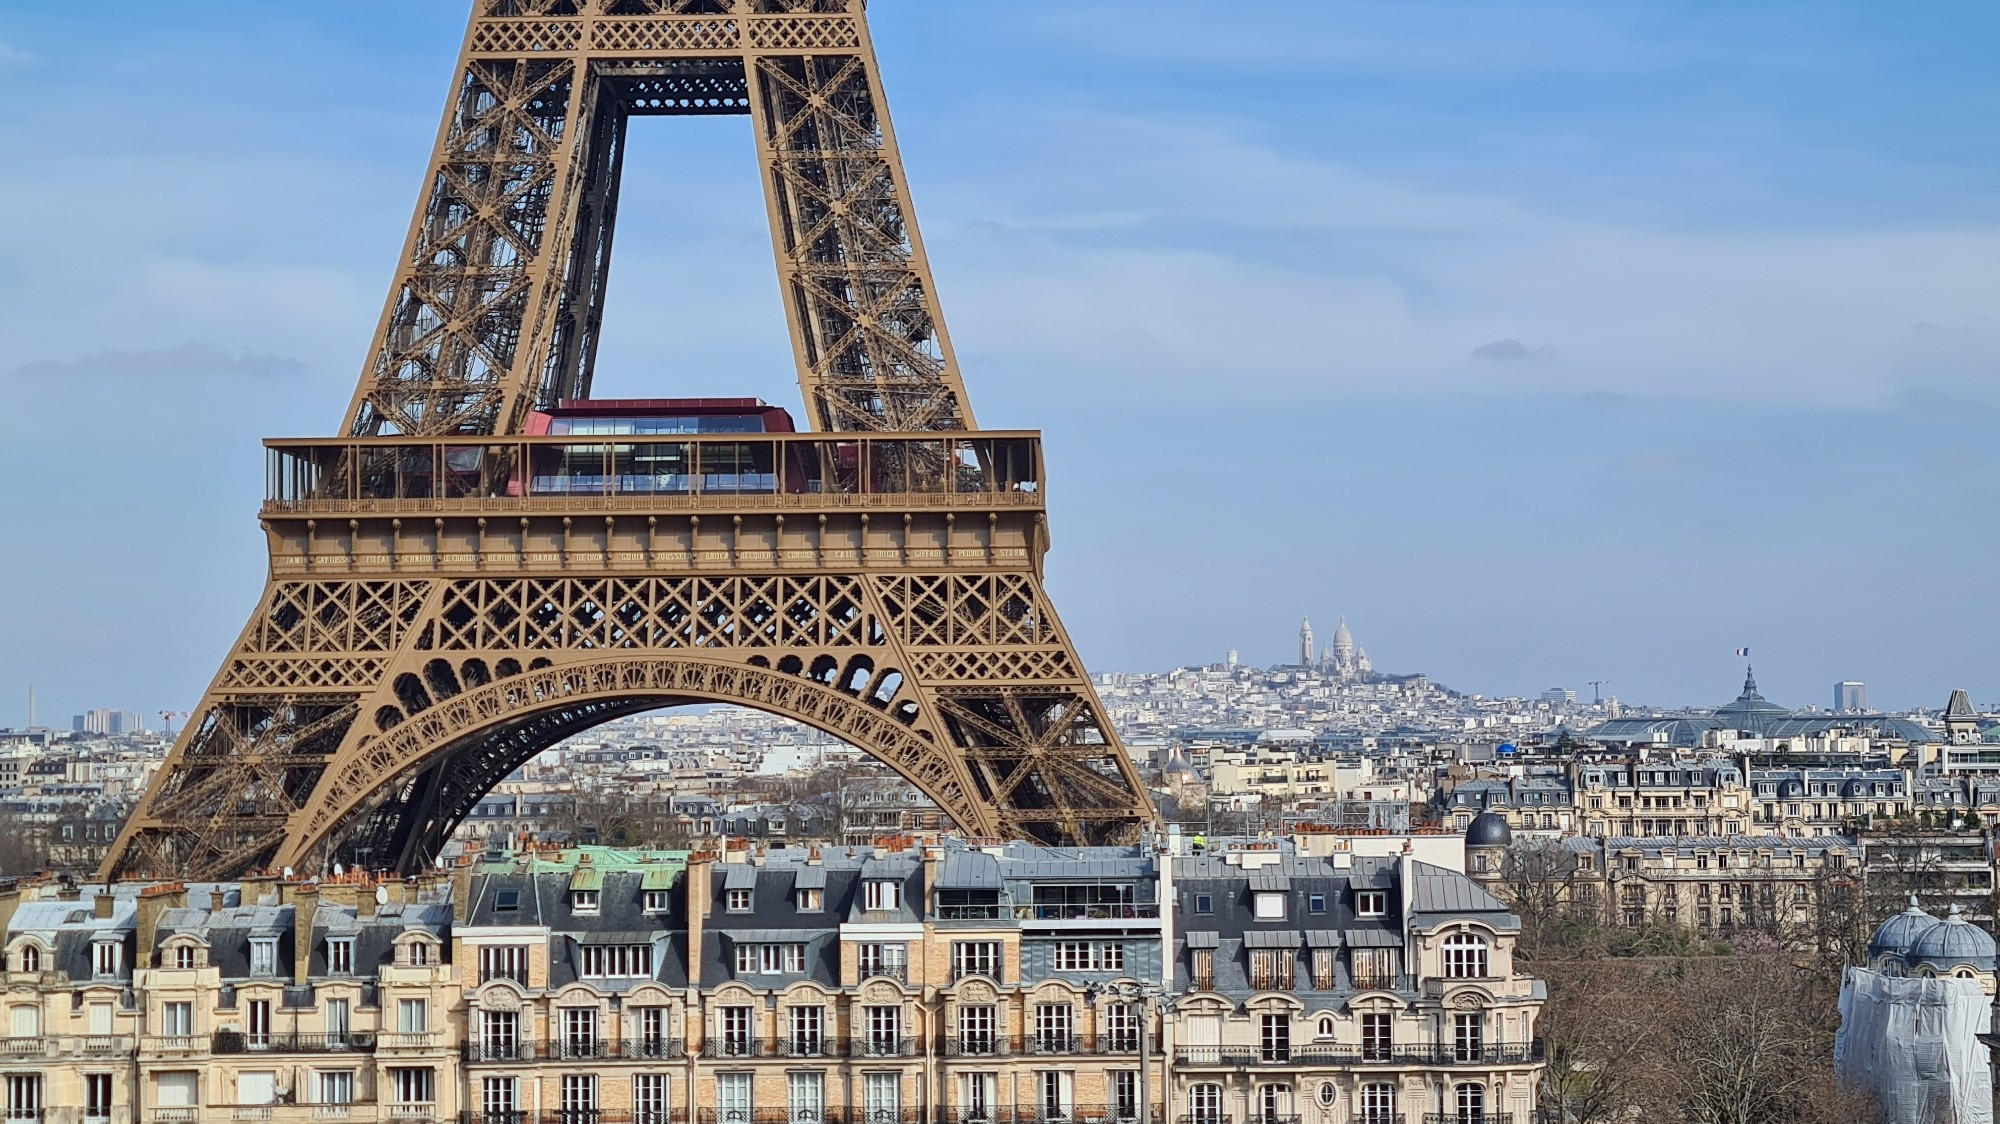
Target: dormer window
<point x="507" y="901"/>
<point x="656" y="901"/>
<point x="185" y="957"/>
<point x="1371" y="903"/>
<point x="105" y="958"/>
<point x="583" y="901"/>
<point x="263" y="956"/>
<point x="811" y="901"/>
<point x="1268" y="906"/>
<point x="420" y="954"/>
<point x="882" y="895"/>
<point x="737" y="901"/>
<point x="31" y="958"/>
<point x="340" y="956"/>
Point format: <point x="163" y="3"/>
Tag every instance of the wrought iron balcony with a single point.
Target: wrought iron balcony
<point x="978" y="1046"/>
<point x="1072" y="1114"/>
<point x="1396" y="1053"/>
<point x="725" y="1046"/>
<point x="1468" y="1118"/>
<point x="882" y="1046"/>
<point x="959" y="975"/>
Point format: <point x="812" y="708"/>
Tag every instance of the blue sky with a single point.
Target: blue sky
<point x="1547" y="342"/>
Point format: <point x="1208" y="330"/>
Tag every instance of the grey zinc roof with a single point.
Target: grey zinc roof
<point x="1201" y="938"/>
<point x="969" y="870"/>
<point x="1323" y="938"/>
<point x="739" y="876"/>
<point x="1269" y="882"/>
<point x="1373" y="938"/>
<point x="810" y="878"/>
<point x="1286" y="938"/>
<point x="1438" y="890"/>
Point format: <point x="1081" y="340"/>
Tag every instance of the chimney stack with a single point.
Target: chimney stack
<point x="100" y="908"/>
<point x="305" y="909"/>
<point x="154" y="901"/>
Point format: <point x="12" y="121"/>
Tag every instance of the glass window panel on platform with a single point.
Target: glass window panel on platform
<point x="738" y="467"/>
<point x="653" y="469"/>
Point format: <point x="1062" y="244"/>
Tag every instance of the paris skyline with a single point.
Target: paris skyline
<point x="1553" y="346"/>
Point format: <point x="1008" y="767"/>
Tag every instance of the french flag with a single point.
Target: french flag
<point x="1742" y="651"/>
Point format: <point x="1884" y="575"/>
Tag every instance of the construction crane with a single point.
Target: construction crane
<point x="1597" y="691"/>
<point x="168" y="716"/>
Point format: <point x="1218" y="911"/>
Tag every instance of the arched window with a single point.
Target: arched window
<point x="31" y="958"/>
<point x="1326" y="1026"/>
<point x="1471" y="1102"/>
<point x="1465" y="957"/>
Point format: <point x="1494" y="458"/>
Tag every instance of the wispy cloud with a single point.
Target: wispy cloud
<point x="192" y="359"/>
<point x="1513" y="351"/>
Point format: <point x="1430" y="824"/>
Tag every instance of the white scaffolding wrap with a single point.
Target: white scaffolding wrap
<point x="1914" y="1043"/>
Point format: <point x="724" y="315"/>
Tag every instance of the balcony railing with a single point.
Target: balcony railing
<point x="410" y="1040"/>
<point x="482" y="472"/>
<point x="230" y="1042"/>
<point x="35" y="1047"/>
<point x="898" y="972"/>
<point x="1025" y="1114"/>
<point x="410" y="1110"/>
<point x="1468" y="1118"/>
<point x="1056" y="911"/>
<point x="968" y="912"/>
<point x="1398" y="1053"/>
<point x="731" y="1047"/>
<point x="176" y="1044"/>
<point x="821" y="1116"/>
<point x="882" y="1046"/>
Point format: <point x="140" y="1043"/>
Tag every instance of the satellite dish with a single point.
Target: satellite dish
<point x="288" y="872"/>
<point x="381" y="895"/>
<point x="337" y="871"/>
<point x="439" y="861"/>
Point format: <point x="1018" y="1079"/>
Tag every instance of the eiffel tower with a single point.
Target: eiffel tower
<point x="490" y="561"/>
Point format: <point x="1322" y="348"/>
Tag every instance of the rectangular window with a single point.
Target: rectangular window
<point x="1203" y="963"/>
<point x="883" y="895"/>
<point x="770" y="959"/>
<point x="413" y="1086"/>
<point x="413" y="1016"/>
<point x="506" y="901"/>
<point x="579" y="1098"/>
<point x="1271" y="968"/>
<point x="617" y="961"/>
<point x="1055" y="1028"/>
<point x="1274" y="1037"/>
<point x="732" y="1098"/>
<point x="884" y="1030"/>
<point x="805" y="1097"/>
<point x="1377" y="1036"/>
<point x="649" y="1098"/>
<point x="1055" y="1095"/>
<point x="340" y="956"/>
<point x="807" y="1027"/>
<point x="733" y="1024"/>
<point x="654" y="1041"/>
<point x="1374" y="969"/>
<point x="1324" y="978"/>
<point x="1268" y="906"/>
<point x="975" y="958"/>
<point x="259" y="1012"/>
<point x="579" y="1033"/>
<point x="1121" y="1025"/>
<point x="882" y="959"/>
<point x="1467" y="1037"/>
<point x="1089" y="956"/>
<point x="583" y="901"/>
<point x="500" y="1100"/>
<point x="811" y="900"/>
<point x="1125" y="1094"/>
<point x="656" y="901"/>
<point x="1371" y="903"/>
<point x="976" y="1034"/>
<point x="503" y="962"/>
<point x="500" y="1036"/>
<point x="264" y="956"/>
<point x="736" y="901"/>
<point x="882" y="1095"/>
<point x="336" y="1086"/>
<point x="24" y="1096"/>
<point x="184" y="957"/>
<point x="1204" y="903"/>
<point x="1315" y="903"/>
<point x="177" y="1019"/>
<point x="96" y="1096"/>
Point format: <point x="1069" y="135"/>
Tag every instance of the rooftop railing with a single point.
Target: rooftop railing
<point x="306" y="476"/>
<point x="1397" y="1053"/>
<point x="232" y="1042"/>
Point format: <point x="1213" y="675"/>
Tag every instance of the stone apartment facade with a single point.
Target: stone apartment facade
<point x="952" y="984"/>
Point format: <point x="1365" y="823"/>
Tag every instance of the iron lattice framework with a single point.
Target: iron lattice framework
<point x="448" y="596"/>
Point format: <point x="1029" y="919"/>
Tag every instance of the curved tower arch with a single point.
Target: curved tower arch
<point x="452" y="588"/>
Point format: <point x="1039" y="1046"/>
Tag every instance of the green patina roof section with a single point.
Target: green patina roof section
<point x="661" y="868"/>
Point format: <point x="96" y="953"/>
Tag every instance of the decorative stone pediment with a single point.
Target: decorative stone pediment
<point x="500" y="998"/>
<point x="977" y="991"/>
<point x="881" y="991"/>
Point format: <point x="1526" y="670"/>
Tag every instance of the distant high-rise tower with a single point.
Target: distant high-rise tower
<point x="1850" y="697"/>
<point x="1233" y="661"/>
<point x="1306" y="642"/>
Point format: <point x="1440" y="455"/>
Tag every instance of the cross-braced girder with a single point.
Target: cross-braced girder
<point x="432" y="620"/>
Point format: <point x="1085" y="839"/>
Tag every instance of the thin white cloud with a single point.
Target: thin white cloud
<point x="187" y="360"/>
